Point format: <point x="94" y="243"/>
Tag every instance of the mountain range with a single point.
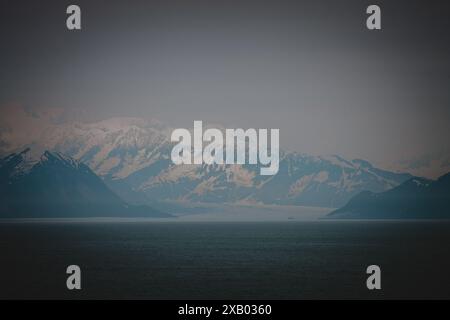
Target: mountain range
<point x="416" y="198"/>
<point x="54" y="185"/>
<point x="132" y="156"/>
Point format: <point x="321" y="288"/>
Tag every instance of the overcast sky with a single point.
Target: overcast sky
<point x="309" y="68"/>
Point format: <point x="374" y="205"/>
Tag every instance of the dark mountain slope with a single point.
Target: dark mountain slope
<point x="416" y="198"/>
<point x="54" y="185"/>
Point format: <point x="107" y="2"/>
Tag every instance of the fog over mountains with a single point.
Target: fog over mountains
<point x="132" y="156"/>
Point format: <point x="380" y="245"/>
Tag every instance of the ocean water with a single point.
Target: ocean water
<point x="224" y="260"/>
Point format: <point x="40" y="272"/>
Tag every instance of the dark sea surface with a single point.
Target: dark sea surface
<point x="225" y="260"/>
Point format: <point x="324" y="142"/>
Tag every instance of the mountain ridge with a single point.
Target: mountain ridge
<point x="132" y="156"/>
<point x="418" y="198"/>
<point x="55" y="185"/>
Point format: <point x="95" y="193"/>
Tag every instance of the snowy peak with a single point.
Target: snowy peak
<point x="24" y="161"/>
<point x="362" y="163"/>
<point x="302" y="180"/>
<point x="58" y="158"/>
<point x="133" y="155"/>
<point x="54" y="185"/>
<point x="123" y="123"/>
<point x="17" y="164"/>
<point x="115" y="147"/>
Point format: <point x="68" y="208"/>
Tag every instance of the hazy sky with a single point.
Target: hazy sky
<point x="310" y="68"/>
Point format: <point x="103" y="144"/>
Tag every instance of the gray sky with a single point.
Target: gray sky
<point x="310" y="68"/>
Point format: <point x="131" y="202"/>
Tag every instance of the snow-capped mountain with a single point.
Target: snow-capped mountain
<point x="132" y="155"/>
<point x="115" y="147"/>
<point x="302" y="180"/>
<point x="54" y="185"/>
